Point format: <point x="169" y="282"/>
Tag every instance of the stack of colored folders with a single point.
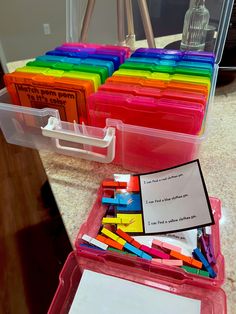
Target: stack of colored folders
<point x="123" y="220"/>
<point x="64" y="77"/>
<point x="157" y="88"/>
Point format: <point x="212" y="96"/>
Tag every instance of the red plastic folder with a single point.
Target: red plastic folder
<point x="164" y="113"/>
<point x="170" y="93"/>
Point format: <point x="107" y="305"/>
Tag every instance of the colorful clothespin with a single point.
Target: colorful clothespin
<point x="109" y="242"/>
<point x="113" y="236"/>
<point x="114" y="184"/>
<point x="207" y="248"/>
<point x="169" y="262"/>
<point x="132" y="201"/>
<point x="154" y="252"/>
<point x="198" y="254"/>
<point x="132" y="181"/>
<point x="90" y="247"/>
<point x="126" y="245"/>
<point x="114" y="201"/>
<point x="116" y="221"/>
<point x="187" y="259"/>
<point x="128" y="238"/>
<point x="165" y="245"/>
<point x="196" y="271"/>
<point x="94" y="242"/>
<point x="121" y="252"/>
<point x="139" y="253"/>
<point x="110" y="210"/>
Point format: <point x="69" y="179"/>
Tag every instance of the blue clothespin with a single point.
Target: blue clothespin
<point x="91" y="247"/>
<point x="137" y="252"/>
<point x="114" y="201"/>
<point x="133" y="201"/>
<point x="198" y="254"/>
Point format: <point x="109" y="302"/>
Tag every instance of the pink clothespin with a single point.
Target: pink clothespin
<point x="154" y="252"/>
<point x="169" y="262"/>
<point x="165" y="245"/>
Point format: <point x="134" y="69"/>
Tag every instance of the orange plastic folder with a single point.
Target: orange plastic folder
<point x="67" y="95"/>
<point x="147" y="82"/>
<point x="166" y="114"/>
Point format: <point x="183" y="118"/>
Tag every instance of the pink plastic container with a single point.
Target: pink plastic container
<point x="168" y="278"/>
<point x="213" y="299"/>
<point x="93" y="225"/>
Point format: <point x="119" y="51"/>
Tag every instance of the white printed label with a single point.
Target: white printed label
<point x="175" y="199"/>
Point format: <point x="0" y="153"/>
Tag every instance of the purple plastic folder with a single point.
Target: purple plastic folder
<point x="119" y="53"/>
<point x="200" y="56"/>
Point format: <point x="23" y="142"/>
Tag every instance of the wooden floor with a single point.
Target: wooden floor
<point x="33" y="241"/>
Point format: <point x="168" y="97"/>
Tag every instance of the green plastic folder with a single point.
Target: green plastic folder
<point x="166" y="69"/>
<point x="101" y="71"/>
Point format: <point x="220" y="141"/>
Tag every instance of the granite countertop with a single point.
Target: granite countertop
<point x="75" y="182"/>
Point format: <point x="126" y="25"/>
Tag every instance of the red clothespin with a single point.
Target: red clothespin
<point x="114" y="184"/>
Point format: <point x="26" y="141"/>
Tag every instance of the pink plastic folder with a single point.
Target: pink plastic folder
<point x="170" y="93"/>
<point x="164" y="113"/>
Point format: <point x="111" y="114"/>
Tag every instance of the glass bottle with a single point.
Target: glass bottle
<point x="195" y="27"/>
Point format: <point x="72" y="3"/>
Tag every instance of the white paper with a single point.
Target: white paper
<point x="103" y="294"/>
<point x="174" y="199"/>
<point x="186" y="240"/>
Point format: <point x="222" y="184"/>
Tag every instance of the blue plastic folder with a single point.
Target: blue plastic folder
<point x="84" y="55"/>
<point x="96" y="62"/>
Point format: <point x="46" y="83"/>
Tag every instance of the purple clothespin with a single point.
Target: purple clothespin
<point x="110" y="210"/>
<point x="211" y="249"/>
<point x="207" y="248"/>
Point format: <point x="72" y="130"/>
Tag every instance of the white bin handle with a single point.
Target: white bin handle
<point x="52" y="130"/>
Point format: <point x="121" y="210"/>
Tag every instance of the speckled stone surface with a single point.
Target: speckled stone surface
<point x="74" y="182"/>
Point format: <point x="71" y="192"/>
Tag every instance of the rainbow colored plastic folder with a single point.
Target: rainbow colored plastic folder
<point x="153" y="88"/>
<point x="158" y="89"/>
<point x="63" y="82"/>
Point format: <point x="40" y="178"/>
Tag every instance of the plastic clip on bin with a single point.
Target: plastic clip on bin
<point x="138" y="148"/>
<point x="159" y="276"/>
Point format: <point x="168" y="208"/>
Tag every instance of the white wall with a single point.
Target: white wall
<point x="21" y="26"/>
<point x="21" y="23"/>
<point x="103" y="26"/>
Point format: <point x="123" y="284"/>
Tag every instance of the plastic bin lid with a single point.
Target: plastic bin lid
<point x="220" y="14"/>
<point x="213" y="300"/>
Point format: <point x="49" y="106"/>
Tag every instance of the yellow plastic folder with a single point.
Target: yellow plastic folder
<point x="95" y="78"/>
<point x="192" y="79"/>
<point x="142" y="73"/>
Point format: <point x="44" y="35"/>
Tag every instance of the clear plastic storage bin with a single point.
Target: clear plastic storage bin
<point x="134" y="147"/>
